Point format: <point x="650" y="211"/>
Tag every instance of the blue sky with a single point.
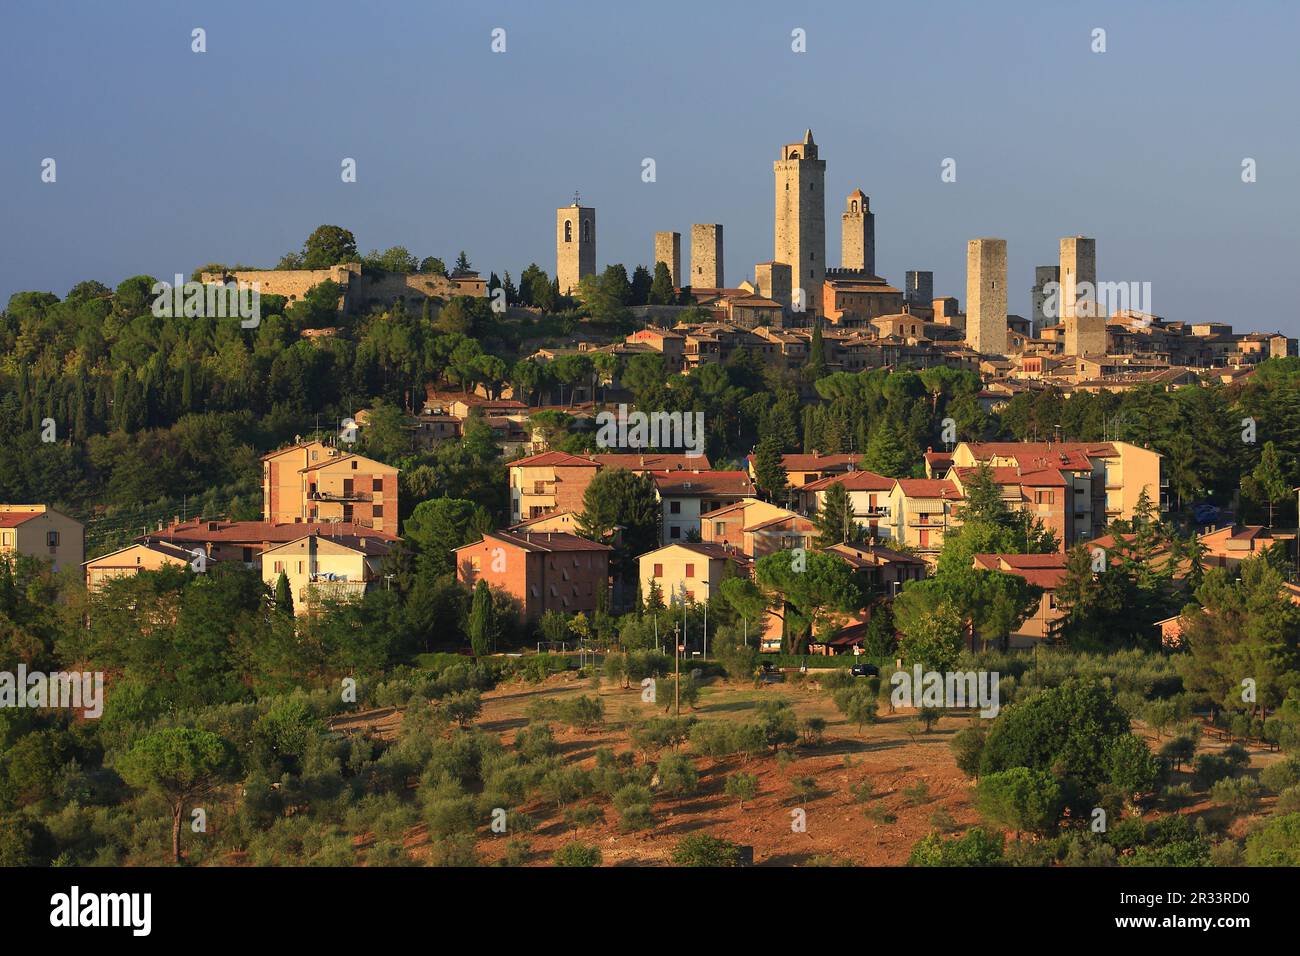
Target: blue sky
<point x="169" y="159"/>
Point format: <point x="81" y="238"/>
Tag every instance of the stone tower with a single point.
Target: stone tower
<point x="858" y="234"/>
<point x="1042" y="276"/>
<point x="1084" y="319"/>
<point x="986" y="296"/>
<point x="575" y="244"/>
<point x="773" y="281"/>
<point x="706" y="256"/>
<point x="668" y="250"/>
<point x="918" y="288"/>
<point x="801" y="217"/>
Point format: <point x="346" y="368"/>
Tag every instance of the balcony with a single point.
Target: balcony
<point x="318" y="495"/>
<point x="879" y="511"/>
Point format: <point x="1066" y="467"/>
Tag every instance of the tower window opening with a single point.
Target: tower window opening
<point x="568" y="230"/>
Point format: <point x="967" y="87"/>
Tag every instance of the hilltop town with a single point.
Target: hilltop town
<point x="776" y="498"/>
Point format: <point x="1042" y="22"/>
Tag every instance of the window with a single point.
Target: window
<point x="690" y="570"/>
<point x="719" y="529"/>
<point x="568" y="230"/>
<point x="377" y="511"/>
<point x="675" y="507"/>
<point x="586" y="230"/>
<point x="354" y="465"/>
<point x="377" y="484"/>
<point x="279" y="567"/>
<point x="7" y="539"/>
<point x="674" y="532"/>
<point x="52" y="539"/>
<point x="659" y="571"/>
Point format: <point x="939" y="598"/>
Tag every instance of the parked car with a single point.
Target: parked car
<point x="864" y="670"/>
<point x="1205" y="514"/>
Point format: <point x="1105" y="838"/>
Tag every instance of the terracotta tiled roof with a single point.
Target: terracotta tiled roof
<point x="928" y="488"/>
<point x="852" y="481"/>
<point x="554" y="459"/>
<point x="735" y="483"/>
<point x="541" y="541"/>
<point x="12" y="519"/>
<point x="648" y="462"/>
<point x="261" y="531"/>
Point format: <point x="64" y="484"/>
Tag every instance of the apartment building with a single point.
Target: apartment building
<point x="146" y="555"/>
<point x="315" y="482"/>
<point x="1043" y="493"/>
<point x="246" y="541"/>
<point x="880" y="569"/>
<point x="1228" y="547"/>
<point x="686" y="495"/>
<point x="920" y="512"/>
<point x="1045" y="571"/>
<point x="869" y="497"/>
<point x="322" y="568"/>
<point x="38" y="531"/>
<point x="543" y="571"/>
<point x="549" y="482"/>
<point x="803" y="469"/>
<point x="1106" y="479"/>
<point x="689" y="572"/>
<point x="733" y="525"/>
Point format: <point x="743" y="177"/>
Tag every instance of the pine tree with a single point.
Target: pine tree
<point x="661" y="287"/>
<point x="769" y="472"/>
<point x="834" y="521"/>
<point x="885" y="452"/>
<point x="816" y="366"/>
<point x="283" y="596"/>
<point x="479" y="624"/>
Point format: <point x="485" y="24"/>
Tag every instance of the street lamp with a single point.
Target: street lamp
<point x="677" y="671"/>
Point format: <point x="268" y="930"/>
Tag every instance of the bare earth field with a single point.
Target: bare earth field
<point x="877" y="832"/>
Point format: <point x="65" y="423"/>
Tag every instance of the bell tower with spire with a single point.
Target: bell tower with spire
<point x="575" y="244"/>
<point x="801" y="217"/>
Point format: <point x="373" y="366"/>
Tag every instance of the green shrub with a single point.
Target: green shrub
<point x="742" y="787"/>
<point x="703" y="850"/>
<point x="577" y="854"/>
<point x="1281" y="775"/>
<point x="978" y="847"/>
<point x="677" y="776"/>
<point x="657" y="733"/>
<point x="634" y="805"/>
<point x="967" y="746"/>
<point x="1238" y="794"/>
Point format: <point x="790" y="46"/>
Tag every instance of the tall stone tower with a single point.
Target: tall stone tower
<point x="858" y="234"/>
<point x="575" y="244"/>
<point x="801" y="217"/>
<point x="1042" y="276"/>
<point x="706" y="256"/>
<point x="773" y="281"/>
<point x="986" y="296"/>
<point x="1084" y="319"/>
<point x="668" y="250"/>
<point x="918" y="288"/>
